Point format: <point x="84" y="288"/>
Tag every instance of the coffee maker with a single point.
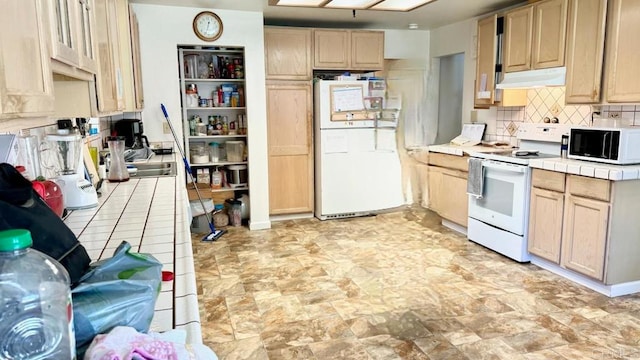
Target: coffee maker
<point x="133" y="133"/>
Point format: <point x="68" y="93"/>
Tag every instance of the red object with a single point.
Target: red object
<point x="167" y="276"/>
<point x="51" y="193"/>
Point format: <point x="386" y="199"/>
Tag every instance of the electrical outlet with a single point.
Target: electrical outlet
<point x="165" y="128"/>
<point x="555" y="109"/>
<point x="615" y="115"/>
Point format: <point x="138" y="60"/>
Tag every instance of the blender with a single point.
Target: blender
<point x="78" y="193"/>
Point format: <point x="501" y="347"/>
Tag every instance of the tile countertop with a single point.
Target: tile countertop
<point x="151" y="214"/>
<point x="465" y="150"/>
<point x="588" y="168"/>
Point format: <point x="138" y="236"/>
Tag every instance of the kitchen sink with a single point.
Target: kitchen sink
<point x="154" y="169"/>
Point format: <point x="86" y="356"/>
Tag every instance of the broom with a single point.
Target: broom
<point x="215" y="233"/>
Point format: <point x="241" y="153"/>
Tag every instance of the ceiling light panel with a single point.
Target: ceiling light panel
<point x="351" y="4"/>
<point x="313" y="3"/>
<point x="400" y="5"/>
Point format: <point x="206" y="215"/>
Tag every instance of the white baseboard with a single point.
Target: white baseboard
<point x="259" y="225"/>
<point x="608" y="290"/>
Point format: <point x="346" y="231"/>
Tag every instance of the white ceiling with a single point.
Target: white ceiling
<point x="430" y="16"/>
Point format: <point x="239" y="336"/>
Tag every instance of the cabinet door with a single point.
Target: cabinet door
<point x="26" y="84"/>
<point x="517" y="44"/>
<point x="449" y="194"/>
<point x="331" y="49"/>
<point x="64" y="41"/>
<point x="107" y="83"/>
<point x="287" y="54"/>
<point x="585" y="49"/>
<point x="549" y="31"/>
<point x="545" y="224"/>
<point x="486" y="61"/>
<point x="623" y="52"/>
<point x="137" y="62"/>
<point x="367" y="50"/>
<point x="585" y="236"/>
<point x="127" y="41"/>
<point x="86" y="35"/>
<point x="290" y="142"/>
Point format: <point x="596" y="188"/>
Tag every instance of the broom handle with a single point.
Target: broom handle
<point x="187" y="167"/>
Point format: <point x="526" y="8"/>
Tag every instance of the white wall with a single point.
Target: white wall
<point x="406" y="44"/>
<point x="162" y="29"/>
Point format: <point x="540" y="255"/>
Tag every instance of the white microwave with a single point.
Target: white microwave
<point x="619" y="146"/>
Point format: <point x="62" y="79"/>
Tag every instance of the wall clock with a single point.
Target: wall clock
<point x="207" y="26"/>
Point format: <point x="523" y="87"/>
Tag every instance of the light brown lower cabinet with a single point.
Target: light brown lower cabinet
<point x="585" y="236"/>
<point x="448" y="194"/>
<point x="290" y="144"/>
<point x="586" y="225"/>
<point x="545" y="223"/>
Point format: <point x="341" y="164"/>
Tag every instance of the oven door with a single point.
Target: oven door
<point x="505" y="196"/>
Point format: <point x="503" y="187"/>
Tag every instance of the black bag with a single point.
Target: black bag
<point x="22" y="208"/>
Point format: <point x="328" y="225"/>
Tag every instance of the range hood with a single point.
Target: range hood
<point x="533" y="78"/>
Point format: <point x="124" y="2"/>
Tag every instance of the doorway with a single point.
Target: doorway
<point x="450" y="97"/>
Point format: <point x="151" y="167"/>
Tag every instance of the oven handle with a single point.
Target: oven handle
<point x="504" y="167"/>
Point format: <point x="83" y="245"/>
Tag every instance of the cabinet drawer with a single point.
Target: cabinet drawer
<point x="589" y="187"/>
<point x="449" y="161"/>
<point x="549" y="180"/>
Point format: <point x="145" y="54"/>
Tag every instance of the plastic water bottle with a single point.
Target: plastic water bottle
<point x="36" y="317"/>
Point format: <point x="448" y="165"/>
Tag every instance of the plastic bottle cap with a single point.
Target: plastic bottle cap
<point x="15" y="239"/>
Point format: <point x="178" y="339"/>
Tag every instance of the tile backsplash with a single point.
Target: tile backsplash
<point x="549" y="102"/>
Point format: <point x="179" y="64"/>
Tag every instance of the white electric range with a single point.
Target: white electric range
<point x="499" y="219"/>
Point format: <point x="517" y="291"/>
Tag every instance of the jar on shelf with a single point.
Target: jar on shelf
<point x="198" y="153"/>
<point x="193" y="123"/>
<point x="191" y="66"/>
<point x="234" y="209"/>
<point x="235" y="150"/>
<point x="214" y="152"/>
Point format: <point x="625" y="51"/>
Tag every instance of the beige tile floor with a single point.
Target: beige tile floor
<point x="395" y="286"/>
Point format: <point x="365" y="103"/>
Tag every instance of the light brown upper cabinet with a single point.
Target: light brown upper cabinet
<point x="287" y="53"/>
<point x="64" y="39"/>
<point x="137" y="61"/>
<point x="535" y="36"/>
<point x="367" y="50"/>
<point x="26" y="84"/>
<point x="290" y="142"/>
<point x="86" y="36"/>
<point x="623" y="52"/>
<point x="486" y="62"/>
<point x="129" y="60"/>
<point x="348" y="49"/>
<point x="71" y="46"/>
<point x="109" y="76"/>
<point x="585" y="50"/>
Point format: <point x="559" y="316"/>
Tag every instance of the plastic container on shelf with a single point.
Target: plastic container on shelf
<point x="234" y="209"/>
<point x="199" y="153"/>
<point x="235" y="150"/>
<point x="214" y="152"/>
<point x="35" y="297"/>
<point x="191" y="66"/>
<point x="216" y="179"/>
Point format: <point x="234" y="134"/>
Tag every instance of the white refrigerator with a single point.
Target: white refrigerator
<point x="357" y="167"/>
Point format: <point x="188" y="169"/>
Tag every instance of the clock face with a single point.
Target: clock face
<point x="207" y="26"/>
